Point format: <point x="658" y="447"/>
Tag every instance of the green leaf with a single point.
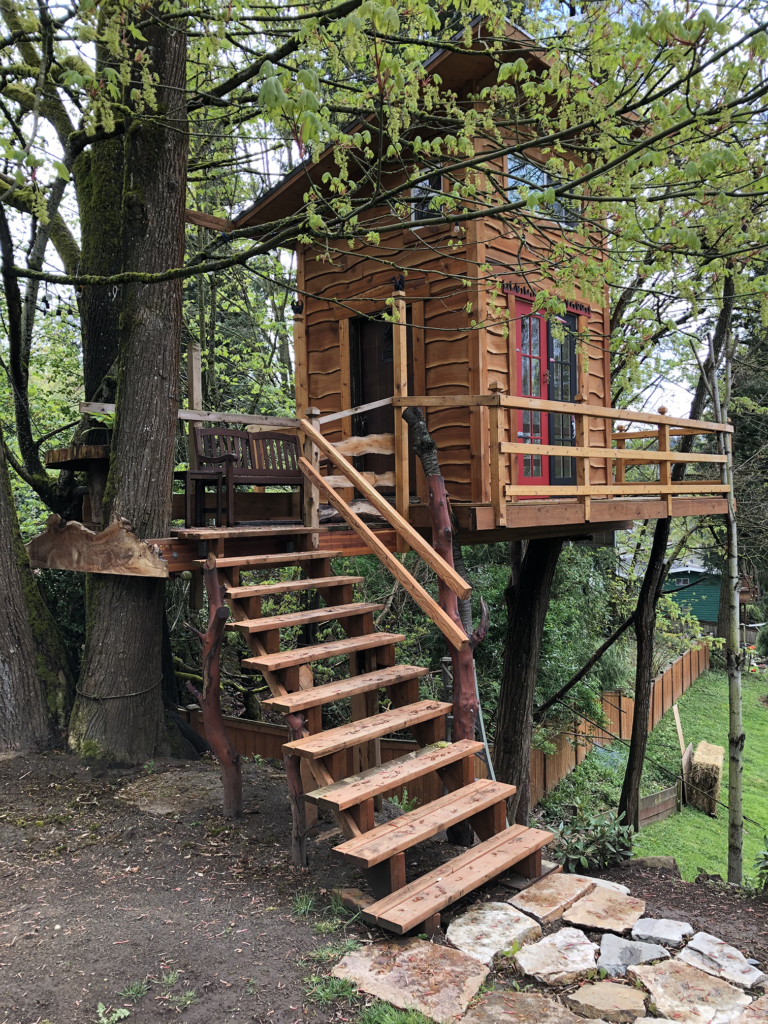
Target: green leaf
<point x="61" y="170"/>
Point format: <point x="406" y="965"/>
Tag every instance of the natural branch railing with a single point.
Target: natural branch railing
<point x="582" y="452"/>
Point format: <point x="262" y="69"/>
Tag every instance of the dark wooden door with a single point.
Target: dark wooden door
<point x="372" y="379"/>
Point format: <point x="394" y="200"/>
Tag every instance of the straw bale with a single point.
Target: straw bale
<point x="706" y="777"/>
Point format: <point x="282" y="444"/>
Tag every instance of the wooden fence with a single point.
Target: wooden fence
<point x="249" y="737"/>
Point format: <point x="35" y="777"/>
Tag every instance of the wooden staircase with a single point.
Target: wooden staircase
<point x="341" y="768"/>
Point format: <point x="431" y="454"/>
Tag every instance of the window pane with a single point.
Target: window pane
<point x="537" y="424"/>
<point x="526" y="465"/>
<point x="423" y="194"/>
<point x="524" y="330"/>
<point x="527" y="423"/>
<point x="535" y="378"/>
<point x="535" y="328"/>
<point x="537" y="465"/>
<point x="526" y="363"/>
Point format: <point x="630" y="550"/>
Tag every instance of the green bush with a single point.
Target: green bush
<point x="762" y="642"/>
<point x="761" y="866"/>
<point x="592" y="842"/>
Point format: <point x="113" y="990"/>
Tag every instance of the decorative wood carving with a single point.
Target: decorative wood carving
<point x="115" y="550"/>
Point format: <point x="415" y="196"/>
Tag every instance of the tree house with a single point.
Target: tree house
<point x="445" y="316"/>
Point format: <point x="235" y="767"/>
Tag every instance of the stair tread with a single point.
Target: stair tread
<point x="319" y="652"/>
<point x="300" y="700"/>
<point x="283" y="621"/>
<point x="393" y="837"/>
<point x="267" y="589"/>
<point x="353" y="790"/>
<point x="236" y="532"/>
<point x="322" y="744"/>
<point x="283" y="558"/>
<point x="428" y="895"/>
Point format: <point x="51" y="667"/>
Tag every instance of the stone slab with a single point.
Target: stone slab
<point x="520" y="1008"/>
<point x="548" y="899"/>
<point x="518" y="882"/>
<point x="603" y="883"/>
<point x="559" y="959"/>
<point x="606" y="910"/>
<point x="617" y="953"/>
<point x="717" y="958"/>
<point x="490" y="928"/>
<point x="689" y="996"/>
<point x="608" y="1000"/>
<point x="662" y="930"/>
<point x="757" y="1013"/>
<point x="415" y="975"/>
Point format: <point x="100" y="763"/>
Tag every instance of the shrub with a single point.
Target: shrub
<point x="761" y="864"/>
<point x="762" y="642"/>
<point x="592" y="841"/>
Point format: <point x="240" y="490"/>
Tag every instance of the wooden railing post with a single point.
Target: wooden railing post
<point x="497" y="481"/>
<point x="311" y="511"/>
<point x="621" y="444"/>
<point x="665" y="468"/>
<point x="582" y="462"/>
<point x="400" y="359"/>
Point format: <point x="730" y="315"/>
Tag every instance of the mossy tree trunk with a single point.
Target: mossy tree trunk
<point x="35" y="681"/>
<point x="122" y="715"/>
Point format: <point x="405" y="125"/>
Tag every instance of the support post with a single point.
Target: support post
<point x="498" y="500"/>
<point x="621" y="444"/>
<point x="311" y="511"/>
<point x="400" y="354"/>
<point x="582" y="462"/>
<point x="665" y="468"/>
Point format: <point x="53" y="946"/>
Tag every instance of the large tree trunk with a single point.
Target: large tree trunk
<point x="527" y="597"/>
<point x="120" y="711"/>
<point x="35" y="682"/>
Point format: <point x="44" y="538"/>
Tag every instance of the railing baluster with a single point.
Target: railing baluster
<point x="498" y="500"/>
<point x="665" y="468"/>
<point x="400" y="368"/>
<point x="582" y="463"/>
<point x="621" y="445"/>
<point x="311" y="492"/>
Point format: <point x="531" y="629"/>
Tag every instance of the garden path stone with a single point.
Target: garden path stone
<point x="757" y="1013"/>
<point x="520" y="1008"/>
<point x="548" y="899"/>
<point x="413" y="974"/>
<point x="608" y="1000"/>
<point x="663" y="930"/>
<point x="688" y="995"/>
<point x="606" y="910"/>
<point x="716" y="957"/>
<point x="559" y="959"/>
<point x="489" y="928"/>
<point x="617" y="953"/>
<point x="603" y="883"/>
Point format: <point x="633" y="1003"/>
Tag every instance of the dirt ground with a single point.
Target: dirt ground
<point x="96" y="896"/>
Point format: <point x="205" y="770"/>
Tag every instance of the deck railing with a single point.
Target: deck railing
<point x="504" y="455"/>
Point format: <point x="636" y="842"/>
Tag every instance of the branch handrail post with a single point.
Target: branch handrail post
<point x="400" y="370"/>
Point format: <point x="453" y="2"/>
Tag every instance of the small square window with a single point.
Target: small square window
<point x="423" y="194"/>
<point x="523" y="173"/>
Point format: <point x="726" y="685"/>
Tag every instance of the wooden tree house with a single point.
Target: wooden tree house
<point x="528" y="444"/>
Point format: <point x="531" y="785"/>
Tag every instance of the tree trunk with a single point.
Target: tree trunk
<point x="35" y="681"/>
<point x="120" y="712"/>
<point x="527" y="598"/>
<point x="645" y="625"/>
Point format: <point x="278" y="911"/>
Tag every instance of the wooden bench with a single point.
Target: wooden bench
<point x="226" y="458"/>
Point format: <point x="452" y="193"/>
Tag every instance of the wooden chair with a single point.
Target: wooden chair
<point x="229" y="457"/>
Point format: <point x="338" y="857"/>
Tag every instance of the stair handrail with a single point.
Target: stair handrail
<point x="446" y="572"/>
<point x="453" y="633"/>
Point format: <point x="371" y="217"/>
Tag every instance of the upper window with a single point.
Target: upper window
<point x="423" y="194"/>
<point x="523" y="173"/>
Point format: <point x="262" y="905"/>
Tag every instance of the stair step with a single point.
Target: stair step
<point x="300" y="700"/>
<point x="428" y="895"/>
<point x="352" y="791"/>
<point x="319" y="652"/>
<point x="338" y="611"/>
<point x="266" y="561"/>
<point x="236" y="532"/>
<point x="322" y="744"/>
<point x="393" y="837"/>
<point x="269" y="589"/>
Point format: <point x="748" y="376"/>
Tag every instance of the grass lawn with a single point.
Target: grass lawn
<point x="697" y="841"/>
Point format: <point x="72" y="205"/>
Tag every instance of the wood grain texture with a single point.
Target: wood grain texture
<point x="343" y="688"/>
<point x="115" y="551"/>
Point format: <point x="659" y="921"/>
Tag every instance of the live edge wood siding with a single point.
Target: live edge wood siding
<point x="460" y="336"/>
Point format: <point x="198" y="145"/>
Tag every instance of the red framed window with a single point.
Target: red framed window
<point x="532" y="377"/>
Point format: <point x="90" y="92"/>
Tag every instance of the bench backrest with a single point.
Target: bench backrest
<point x="264" y="458"/>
